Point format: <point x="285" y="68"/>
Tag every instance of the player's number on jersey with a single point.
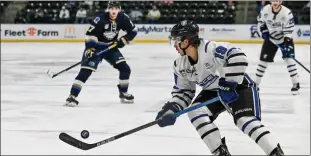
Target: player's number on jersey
<point x="220" y="51"/>
<point x="91" y="28"/>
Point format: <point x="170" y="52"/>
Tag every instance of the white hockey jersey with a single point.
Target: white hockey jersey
<point x="215" y="60"/>
<point x="279" y="24"/>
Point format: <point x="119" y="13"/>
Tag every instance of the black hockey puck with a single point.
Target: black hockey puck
<point x="85" y="134"/>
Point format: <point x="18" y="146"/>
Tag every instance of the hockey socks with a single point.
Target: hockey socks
<point x="81" y="78"/>
<point x="292" y="70"/>
<point x="123" y="85"/>
<point x="262" y="66"/>
<point x="208" y="131"/>
<point x="258" y="132"/>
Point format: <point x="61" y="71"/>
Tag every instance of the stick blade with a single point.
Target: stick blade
<point x="75" y="142"/>
<point x="51" y="75"/>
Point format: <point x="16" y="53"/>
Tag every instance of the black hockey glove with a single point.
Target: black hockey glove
<point x="264" y="32"/>
<point x="122" y="42"/>
<point x="227" y="92"/>
<point x="166" y="114"/>
<point x="89" y="53"/>
<point x="288" y="48"/>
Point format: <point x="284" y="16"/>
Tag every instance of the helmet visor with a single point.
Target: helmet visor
<point x="176" y="39"/>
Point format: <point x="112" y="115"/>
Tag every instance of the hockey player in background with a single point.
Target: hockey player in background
<point x="102" y="32"/>
<point x="276" y="23"/>
<point x="219" y="68"/>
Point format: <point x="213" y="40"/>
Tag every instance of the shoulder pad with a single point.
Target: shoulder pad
<point x="265" y="8"/>
<point x="123" y="15"/>
<point x="287" y="10"/>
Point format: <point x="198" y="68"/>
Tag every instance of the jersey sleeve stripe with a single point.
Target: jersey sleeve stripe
<point x="230" y="50"/>
<point x="276" y="38"/>
<point x="180" y="106"/>
<point x="182" y="99"/>
<point x="289" y="27"/>
<point x="237" y="64"/>
<point x="185" y="90"/>
<point x="183" y="93"/>
<point x="219" y="56"/>
<point x="234" y="74"/>
<point x="280" y="34"/>
<point x="235" y="55"/>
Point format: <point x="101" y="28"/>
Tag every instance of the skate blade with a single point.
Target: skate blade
<point x="126" y="101"/>
<point x="295" y="92"/>
<point x="70" y="105"/>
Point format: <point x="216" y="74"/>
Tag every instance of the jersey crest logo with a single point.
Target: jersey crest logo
<point x="110" y="35"/>
<point x="210" y="79"/>
<point x="274" y="25"/>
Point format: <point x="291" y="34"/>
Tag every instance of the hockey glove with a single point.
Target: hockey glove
<point x="227" y="92"/>
<point x="264" y="32"/>
<point x="89" y="53"/>
<point x="288" y="48"/>
<point x="166" y="114"/>
<point x="122" y="42"/>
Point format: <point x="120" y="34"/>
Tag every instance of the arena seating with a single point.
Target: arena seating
<point x="300" y="11"/>
<point x="3" y="5"/>
<point x="203" y="12"/>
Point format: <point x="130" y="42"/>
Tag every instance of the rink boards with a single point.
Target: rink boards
<point x="147" y="33"/>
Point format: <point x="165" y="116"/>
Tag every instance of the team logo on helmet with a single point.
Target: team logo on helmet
<point x="184" y="22"/>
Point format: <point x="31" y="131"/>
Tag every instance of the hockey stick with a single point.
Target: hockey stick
<point x="292" y="57"/>
<point x="85" y="146"/>
<point x="52" y="75"/>
<point x="296" y="60"/>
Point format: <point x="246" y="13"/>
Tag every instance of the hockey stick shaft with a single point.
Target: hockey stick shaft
<point x="76" y="64"/>
<point x="302" y="65"/>
<point x="292" y="58"/>
<point x="84" y="146"/>
<point x="296" y="61"/>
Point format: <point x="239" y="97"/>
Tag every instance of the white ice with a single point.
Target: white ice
<point x="32" y="115"/>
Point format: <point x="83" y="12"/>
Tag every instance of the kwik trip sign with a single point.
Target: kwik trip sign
<point x="30" y="32"/>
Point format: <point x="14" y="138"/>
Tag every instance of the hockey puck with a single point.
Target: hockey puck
<point x="85" y="134"/>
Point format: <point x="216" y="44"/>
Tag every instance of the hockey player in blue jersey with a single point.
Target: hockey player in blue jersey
<point x="103" y="32"/>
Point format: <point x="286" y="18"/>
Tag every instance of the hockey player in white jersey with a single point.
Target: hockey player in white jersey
<point x="276" y="23"/>
<point x="219" y="68"/>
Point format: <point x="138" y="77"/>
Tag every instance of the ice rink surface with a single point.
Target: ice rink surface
<point x="33" y="115"/>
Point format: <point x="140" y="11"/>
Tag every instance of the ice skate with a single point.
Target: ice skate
<point x="295" y="89"/>
<point x="222" y="150"/>
<point x="277" y="151"/>
<point x="126" y="97"/>
<point x="71" y="101"/>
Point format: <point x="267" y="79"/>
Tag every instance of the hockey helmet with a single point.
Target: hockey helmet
<point x="184" y="30"/>
<point x="114" y="4"/>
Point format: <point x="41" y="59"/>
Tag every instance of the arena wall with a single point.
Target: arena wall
<point x="147" y="33"/>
